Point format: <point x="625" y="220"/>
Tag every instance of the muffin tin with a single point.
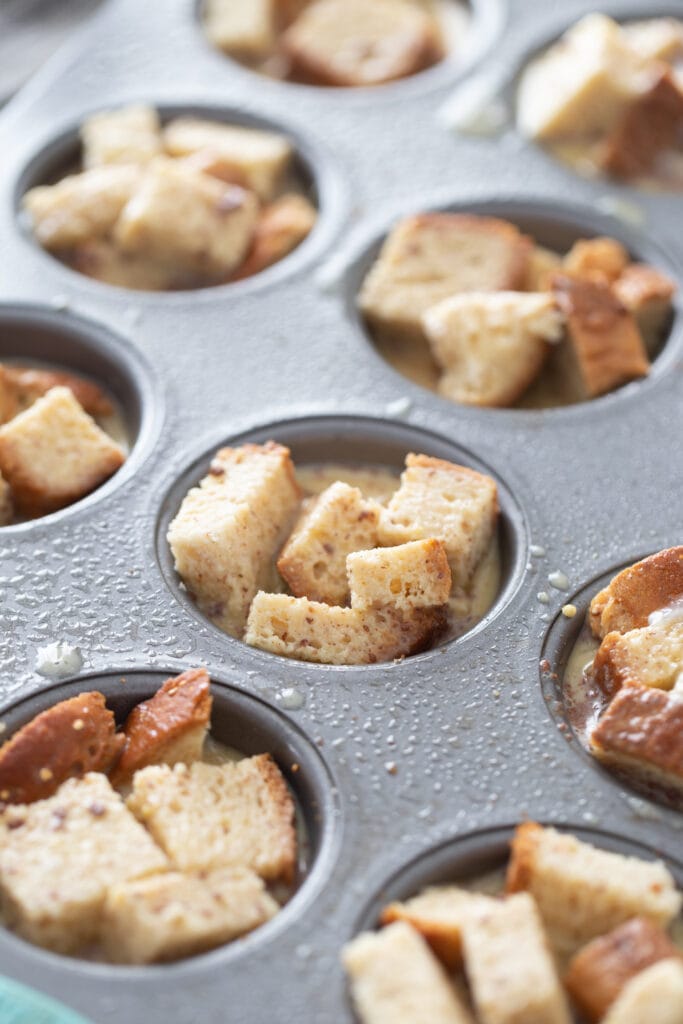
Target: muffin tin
<point x="449" y="747"/>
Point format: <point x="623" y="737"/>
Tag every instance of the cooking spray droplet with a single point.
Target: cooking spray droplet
<point x="291" y="699"/>
<point x="569" y="611"/>
<point x="537" y="551"/>
<point x="543" y="596"/>
<point x="401" y="407"/>
<point x="558" y="580"/>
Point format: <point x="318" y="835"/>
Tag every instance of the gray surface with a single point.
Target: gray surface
<point x="466" y="725"/>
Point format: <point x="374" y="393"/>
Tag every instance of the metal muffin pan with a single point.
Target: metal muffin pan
<point x="432" y="750"/>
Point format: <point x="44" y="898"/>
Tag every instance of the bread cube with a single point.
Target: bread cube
<point x="228" y="529"/>
<point x="636" y="592"/>
<point x="256" y="159"/>
<point x="642" y="732"/>
<point x="173" y="915"/>
<point x="597" y="259"/>
<point x="104" y="261"/>
<point x="651" y="124"/>
<point x="201" y="225"/>
<point x="647" y="294"/>
<point x="491" y="345"/>
<point x="580" y="87"/>
<point x="432" y="256"/>
<point x="542" y="264"/>
<point x="168" y="728"/>
<point x="130" y="135"/>
<point x="412" y="575"/>
<point x="603" y="336"/>
<point x="438" y="914"/>
<point x="212" y="816"/>
<point x="451" y="503"/>
<point x="601" y="970"/>
<point x="281" y="227"/>
<point x="655" y="995"/>
<point x="21" y="386"/>
<point x="246" y="29"/>
<point x="6" y="502"/>
<point x="58" y="858"/>
<point x="54" y="453"/>
<point x="395" y="979"/>
<point x="509" y="967"/>
<point x="651" y="656"/>
<point x="295" y="627"/>
<point x="313" y="561"/>
<point x="80" y="207"/>
<point x="656" y="38"/>
<point x="72" y="737"/>
<point x="582" y="891"/>
<point x="355" y="43"/>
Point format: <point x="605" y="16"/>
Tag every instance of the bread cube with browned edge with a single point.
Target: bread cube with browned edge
<point x="491" y="346"/>
<point x="647" y="294"/>
<point x="600" y="971"/>
<point x="648" y="586"/>
<point x="337" y="522"/>
<point x="295" y="627"/>
<point x="451" y="503"/>
<point x="129" y="135"/>
<point x="251" y="157"/>
<point x="642" y="732"/>
<point x="651" y="656"/>
<point x="355" y="43"/>
<point x="6" y="502"/>
<point x="73" y="737"/>
<point x="396" y="979"/>
<point x="168" y="728"/>
<point x="604" y="344"/>
<point x="412" y="575"/>
<point x="654" y="995"/>
<point x="509" y="967"/>
<point x="59" y="857"/>
<point x="202" y="226"/>
<point x="228" y="530"/>
<point x="280" y="228"/>
<point x="656" y="38"/>
<point x="430" y="257"/>
<point x="212" y="816"/>
<point x="438" y="914"/>
<point x="650" y="125"/>
<point x="174" y="915"/>
<point x="597" y="259"/>
<point x="243" y="29"/>
<point x="54" y="453"/>
<point x="21" y="386"/>
<point x="583" y="891"/>
<point x="80" y="207"/>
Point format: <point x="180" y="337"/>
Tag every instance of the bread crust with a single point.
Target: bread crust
<point x="649" y="126"/>
<point x="651" y="656"/>
<point x="630" y="598"/>
<point x="21" y="386"/>
<point x="280" y="228"/>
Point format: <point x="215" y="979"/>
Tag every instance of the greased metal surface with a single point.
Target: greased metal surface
<point x="451" y="742"/>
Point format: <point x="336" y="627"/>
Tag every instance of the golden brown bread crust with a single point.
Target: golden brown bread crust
<point x="596" y="259"/>
<point x="444" y="940"/>
<point x="71" y="738"/>
<point x="181" y="705"/>
<point x="285" y="811"/>
<point x="649" y="126"/>
<point x="281" y="227"/>
<point x="22" y="385"/>
<point x="522" y="855"/>
<point x="638" y="284"/>
<point x="599" y="972"/>
<point x="642" y="730"/>
<point x="631" y="597"/>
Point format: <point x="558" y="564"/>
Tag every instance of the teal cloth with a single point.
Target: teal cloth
<point x="22" y="1005"/>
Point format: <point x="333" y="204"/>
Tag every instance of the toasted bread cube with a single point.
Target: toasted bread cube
<point x="313" y="561"/>
<point x="543" y="263"/>
<point x="654" y="995"/>
<point x="509" y="967"/>
<point x="647" y="294"/>
<point x="202" y="225"/>
<point x="168" y="728"/>
<point x="295" y="627"/>
<point x="229" y="529"/>
<point x="54" y="453"/>
<point x="58" y="858"/>
<point x="281" y="227"/>
<point x="603" y="336"/>
<point x="412" y="575"/>
<point x="599" y="972"/>
<point x="21" y="386"/>
<point x="173" y="915"/>
<point x="6" y="502"/>
<point x="453" y="504"/>
<point x="579" y="87"/>
<point x="597" y="259"/>
<point x="130" y="135"/>
<point x="651" y="124"/>
<point x="104" y="261"/>
<point x="395" y="979"/>
<point x="642" y="732"/>
<point x="651" y="656"/>
<point x="258" y="158"/>
<point x="72" y="737"/>
<point x="438" y="915"/>
<point x="244" y="29"/>
<point x="491" y="345"/>
<point x="432" y="256"/>
<point x="212" y="816"/>
<point x="656" y="38"/>
<point x="352" y="42"/>
<point x="80" y="207"/>
<point x="637" y="591"/>
<point x="582" y="891"/>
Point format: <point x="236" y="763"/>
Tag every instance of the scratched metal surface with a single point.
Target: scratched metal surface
<point x="466" y="727"/>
